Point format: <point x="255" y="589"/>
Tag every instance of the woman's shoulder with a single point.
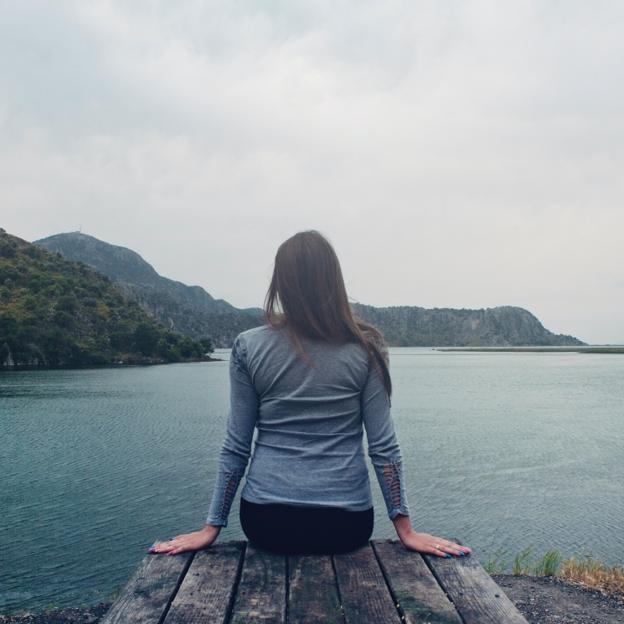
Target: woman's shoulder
<point x="256" y="333"/>
<point x="255" y="337"/>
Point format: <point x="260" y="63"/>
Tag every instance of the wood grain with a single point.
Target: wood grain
<point x="313" y="596"/>
<point x="146" y="595"/>
<point x="473" y="591"/>
<point x="261" y="595"/>
<point x="363" y="592"/>
<point x="208" y="588"/>
<point x="419" y="597"/>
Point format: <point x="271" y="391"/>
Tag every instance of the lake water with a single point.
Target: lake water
<point x="501" y="450"/>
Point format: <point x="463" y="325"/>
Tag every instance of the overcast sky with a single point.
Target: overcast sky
<point x="456" y="154"/>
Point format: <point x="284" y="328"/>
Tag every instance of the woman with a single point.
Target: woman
<point x="309" y="380"/>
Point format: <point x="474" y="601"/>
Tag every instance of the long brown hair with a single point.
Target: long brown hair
<point x="307" y="284"/>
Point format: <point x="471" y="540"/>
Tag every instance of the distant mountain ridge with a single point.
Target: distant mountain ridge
<point x="187" y="309"/>
<point x="498" y="326"/>
<point x="193" y="311"/>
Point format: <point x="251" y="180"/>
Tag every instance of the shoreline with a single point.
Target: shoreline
<point x="597" y="349"/>
<point x="541" y="599"/>
<point x="616" y="349"/>
<point x="106" y="366"/>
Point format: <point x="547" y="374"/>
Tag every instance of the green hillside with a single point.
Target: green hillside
<point x="57" y="313"/>
<point x="189" y="310"/>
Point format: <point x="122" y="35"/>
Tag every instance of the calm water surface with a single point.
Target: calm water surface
<point x="502" y="450"/>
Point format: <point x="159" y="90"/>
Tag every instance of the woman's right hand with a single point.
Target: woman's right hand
<point x="425" y="543"/>
<point x="188" y="541"/>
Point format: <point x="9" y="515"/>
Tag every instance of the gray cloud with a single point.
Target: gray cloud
<point x="463" y="154"/>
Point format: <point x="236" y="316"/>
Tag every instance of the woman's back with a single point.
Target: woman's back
<point x="308" y="448"/>
<point x="309" y="417"/>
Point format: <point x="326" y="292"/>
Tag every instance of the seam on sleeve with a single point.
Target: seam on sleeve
<point x="232" y="479"/>
<point x="392" y="475"/>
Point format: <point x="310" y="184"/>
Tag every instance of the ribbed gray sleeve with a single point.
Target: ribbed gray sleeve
<point x="236" y="448"/>
<point x="383" y="447"/>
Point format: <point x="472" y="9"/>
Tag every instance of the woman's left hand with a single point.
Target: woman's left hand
<point x="187" y="541"/>
<point x="426" y="543"/>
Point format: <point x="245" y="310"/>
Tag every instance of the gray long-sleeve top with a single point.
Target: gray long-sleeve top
<point x="308" y="450"/>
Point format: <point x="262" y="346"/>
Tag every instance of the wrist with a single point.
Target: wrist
<point x="403" y="526"/>
<point x="406" y="533"/>
<point x="211" y="528"/>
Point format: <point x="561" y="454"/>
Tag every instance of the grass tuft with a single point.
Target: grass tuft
<point x="585" y="571"/>
<point x="549" y="564"/>
<point x="521" y="562"/>
<point x="594" y="574"/>
<point x="497" y="563"/>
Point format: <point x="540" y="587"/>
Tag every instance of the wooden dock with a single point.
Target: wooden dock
<point x="380" y="583"/>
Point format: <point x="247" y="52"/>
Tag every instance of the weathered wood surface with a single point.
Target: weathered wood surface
<point x="380" y="583"/>
<point x="313" y="596"/>
<point x="207" y="589"/>
<point x="473" y="591"/>
<point x="418" y="596"/>
<point x="149" y="591"/>
<point x="261" y="595"/>
<point x="363" y="591"/>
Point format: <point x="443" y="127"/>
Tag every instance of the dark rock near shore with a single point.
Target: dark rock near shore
<point x="549" y="600"/>
<point x="84" y="615"/>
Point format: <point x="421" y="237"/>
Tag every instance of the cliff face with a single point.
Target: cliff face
<point x="55" y="312"/>
<point x="186" y="309"/>
<point x="499" y="326"/>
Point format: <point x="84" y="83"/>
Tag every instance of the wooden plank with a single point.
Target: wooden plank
<point x="261" y="595"/>
<point x="207" y="590"/>
<point x="313" y="596"/>
<point x="147" y="594"/>
<point x="473" y="591"/>
<point x="363" y="591"/>
<point x="419" y="597"/>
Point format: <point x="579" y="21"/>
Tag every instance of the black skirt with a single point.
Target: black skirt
<point x="289" y="529"/>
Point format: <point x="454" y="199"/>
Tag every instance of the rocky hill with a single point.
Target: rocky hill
<point x="186" y="309"/>
<point x="55" y="313"/>
<point x="192" y="311"/>
<point x="498" y="326"/>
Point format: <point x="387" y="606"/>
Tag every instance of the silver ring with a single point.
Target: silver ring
<point x="437" y="546"/>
